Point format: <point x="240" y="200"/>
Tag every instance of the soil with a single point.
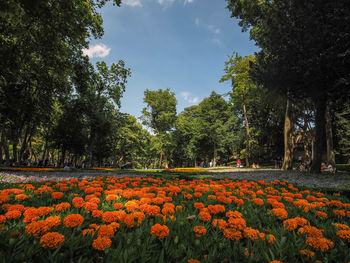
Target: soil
<point x="324" y="180"/>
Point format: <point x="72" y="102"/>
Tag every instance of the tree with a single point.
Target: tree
<point x="213" y="114"/>
<point x="237" y="71"/>
<point x="302" y="51"/>
<point x="160" y="116"/>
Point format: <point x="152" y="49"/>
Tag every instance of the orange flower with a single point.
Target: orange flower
<point x="21" y="197"/>
<point x="101" y="243"/>
<point x="275" y="261"/>
<point x="193" y="261"/>
<point x="237" y="223"/>
<point x="37" y="229"/>
<point x="322" y="244"/>
<point x="44" y="210"/>
<point x="14" y="214"/>
<point x="62" y="206"/>
<point x="232" y="234"/>
<point x="221" y="222"/>
<point x="160" y="231"/>
<point x="344" y="234"/>
<point x="310" y="231"/>
<point x="88" y="231"/>
<point x="129" y="220"/>
<point x="200" y="231"/>
<point x="57" y="195"/>
<point x="307" y="253"/>
<point x="342" y="226"/>
<point x="216" y="209"/>
<point x="253" y="234"/>
<point x="105" y="231"/>
<point x="90" y="206"/>
<point x="199" y="206"/>
<point x="52" y="240"/>
<point x="281" y="213"/>
<point x="97" y="213"/>
<point x="234" y="214"/>
<point x="271" y="238"/>
<point x="118" y="205"/>
<point x="2" y="219"/>
<point x="204" y="216"/>
<point x="258" y="201"/>
<point x="78" y="202"/>
<point x="73" y="220"/>
<point x="321" y="214"/>
<point x="53" y="221"/>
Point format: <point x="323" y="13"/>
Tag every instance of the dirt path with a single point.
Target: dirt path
<point x="322" y="180"/>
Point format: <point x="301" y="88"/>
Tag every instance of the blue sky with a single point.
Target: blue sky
<point x="177" y="44"/>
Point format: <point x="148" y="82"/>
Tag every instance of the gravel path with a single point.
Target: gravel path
<point x="322" y="180"/>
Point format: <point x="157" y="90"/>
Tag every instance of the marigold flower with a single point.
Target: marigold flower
<point x="307" y="253"/>
<point x="129" y="220"/>
<point x="109" y="217"/>
<point x="342" y="226"/>
<point x="88" y="231"/>
<point x="216" y="209"/>
<point x="198" y="206"/>
<point x="339" y="212"/>
<point x="52" y="240"/>
<point x="234" y="214"/>
<point x="281" y="213"/>
<point x="237" y="223"/>
<point x="253" y="234"/>
<point x="310" y="231"/>
<point x="222" y="224"/>
<point x="97" y="213"/>
<point x="53" y="221"/>
<point x="200" y="231"/>
<point x="2" y="219"/>
<point x="232" y="234"/>
<point x="105" y="231"/>
<point x="62" y="206"/>
<point x="44" y="210"/>
<point x="193" y="261"/>
<point x="90" y="206"/>
<point x="258" y="201"/>
<point x="118" y="205"/>
<point x="78" y="202"/>
<point x="21" y="197"/>
<point x="321" y="214"/>
<point x="344" y="234"/>
<point x="160" y="231"/>
<point x="57" y="195"/>
<point x="73" y="220"/>
<point x="115" y="226"/>
<point x="37" y="229"/>
<point x="14" y="214"/>
<point x="101" y="243"/>
<point x="322" y="244"/>
<point x="204" y="216"/>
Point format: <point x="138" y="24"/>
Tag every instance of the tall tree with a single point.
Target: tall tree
<point x="237" y="71"/>
<point x="303" y="52"/>
<point x="160" y="116"/>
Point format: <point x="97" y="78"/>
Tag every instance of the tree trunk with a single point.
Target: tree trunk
<point x="165" y="160"/>
<point x="15" y="153"/>
<point x="215" y="154"/>
<point x="24" y="145"/>
<point x="288" y="136"/>
<point x="160" y="160"/>
<point x="320" y="122"/>
<point x="329" y="138"/>
<point x="247" y="154"/>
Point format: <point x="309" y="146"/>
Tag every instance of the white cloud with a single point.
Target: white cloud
<point x="187" y="97"/>
<point x="166" y="3"/>
<point x="99" y="50"/>
<point x="189" y="1"/>
<point x="196" y="21"/>
<point x="214" y="29"/>
<point x="132" y="3"/>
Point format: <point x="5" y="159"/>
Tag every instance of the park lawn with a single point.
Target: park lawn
<point x="144" y="219"/>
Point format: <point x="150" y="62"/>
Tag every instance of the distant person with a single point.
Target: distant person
<point x="239" y="164"/>
<point x="67" y="168"/>
<point x="211" y="164"/>
<point x="202" y="164"/>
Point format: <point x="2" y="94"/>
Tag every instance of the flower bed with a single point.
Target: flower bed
<point x="110" y="219"/>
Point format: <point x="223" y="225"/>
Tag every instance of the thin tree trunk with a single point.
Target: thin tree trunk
<point x="247" y="152"/>
<point x="288" y="136"/>
<point x="24" y="145"/>
<point x="320" y="122"/>
<point x="215" y="154"/>
<point x="165" y="160"/>
<point x="160" y="160"/>
<point x="329" y="138"/>
<point x="15" y="153"/>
